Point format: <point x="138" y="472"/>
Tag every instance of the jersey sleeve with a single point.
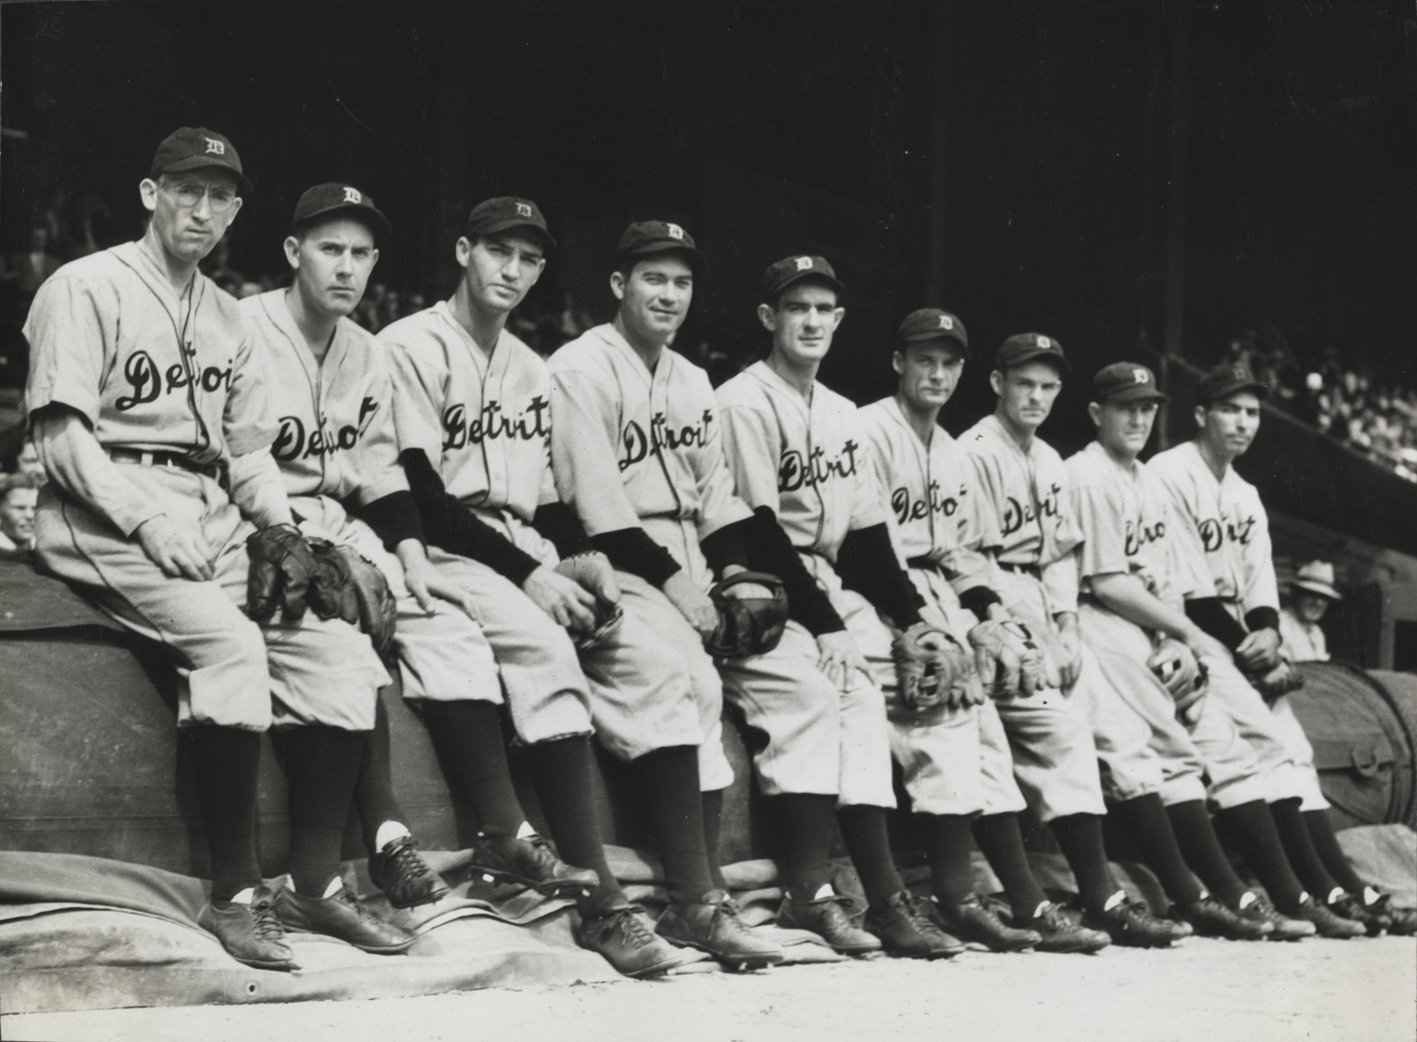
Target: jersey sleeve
<point x="1100" y="516"/>
<point x="720" y="505"/>
<point x="867" y="506"/>
<point x="1186" y="565"/>
<point x="752" y="449"/>
<point x="1060" y="579"/>
<point x="419" y="387"/>
<point x="1261" y="586"/>
<point x="71" y="329"/>
<point x="376" y="453"/>
<point x="583" y="432"/>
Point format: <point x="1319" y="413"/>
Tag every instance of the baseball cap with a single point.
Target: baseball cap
<point x="1126" y="382"/>
<point x="1227" y="379"/>
<point x="646" y="237"/>
<point x="1316" y="577"/>
<point x="933" y="324"/>
<point x="794" y="269"/>
<point x="504" y="212"/>
<point x="1029" y="347"/>
<point x="333" y="196"/>
<point x="195" y="148"/>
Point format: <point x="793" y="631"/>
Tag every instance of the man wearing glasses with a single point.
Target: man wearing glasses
<point x="149" y="411"/>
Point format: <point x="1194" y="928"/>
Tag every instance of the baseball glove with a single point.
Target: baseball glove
<point x="281" y="566"/>
<point x="934" y="669"/>
<point x="1007" y="652"/>
<point x="349" y="586"/>
<point x="1280" y="680"/>
<point x="1183" y="675"/>
<point x="748" y="625"/>
<point x="595" y="574"/>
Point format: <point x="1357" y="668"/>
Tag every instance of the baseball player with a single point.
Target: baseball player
<point x="148" y="407"/>
<point x="799" y="458"/>
<point x="473" y="407"/>
<point x="1135" y="573"/>
<point x="1219" y="514"/>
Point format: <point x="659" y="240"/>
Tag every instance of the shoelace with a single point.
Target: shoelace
<point x="632" y="927"/>
<point x="346" y="896"/>
<point x="407" y="863"/>
<point x="265" y="923"/>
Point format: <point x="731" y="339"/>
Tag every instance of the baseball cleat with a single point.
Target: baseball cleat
<point x="1350" y="907"/>
<point x="906" y="929"/>
<point x="1327" y="923"/>
<point x="250" y="933"/>
<point x="530" y="862"/>
<point x="1131" y="924"/>
<point x="626" y="940"/>
<point x="977" y="921"/>
<point x="1401" y="922"/>
<point x="826" y="918"/>
<point x="1060" y="934"/>
<point x="711" y="924"/>
<point x="1212" y="919"/>
<point x="405" y="878"/>
<point x="342" y="916"/>
<point x="1282" y="927"/>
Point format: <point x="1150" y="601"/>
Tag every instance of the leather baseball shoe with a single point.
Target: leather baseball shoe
<point x="530" y="862"/>
<point x="711" y="924"/>
<point x="1401" y="922"/>
<point x="1327" y="923"/>
<point x="400" y="871"/>
<point x="976" y="921"/>
<point x="826" y="918"/>
<point x="1212" y="919"/>
<point x="907" y="929"/>
<point x="1060" y="934"/>
<point x="1131" y="924"/>
<point x="342" y="916"/>
<point x="1282" y="927"/>
<point x="250" y="933"/>
<point x="626" y="938"/>
<point x="1351" y="907"/>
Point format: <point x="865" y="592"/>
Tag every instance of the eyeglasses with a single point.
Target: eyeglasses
<point x="189" y="195"/>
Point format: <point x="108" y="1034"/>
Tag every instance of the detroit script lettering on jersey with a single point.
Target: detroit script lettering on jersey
<point x="295" y="442"/>
<point x="1017" y="514"/>
<point x="907" y="509"/>
<point x="148" y="382"/>
<point x="636" y="445"/>
<point x="490" y="423"/>
<point x="794" y="472"/>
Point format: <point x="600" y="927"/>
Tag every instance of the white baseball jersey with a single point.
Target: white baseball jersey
<point x="483" y="422"/>
<point x="149" y="369"/>
<point x="934" y="511"/>
<point x="807" y="460"/>
<point x="1225" y="522"/>
<point x="336" y="434"/>
<point x="632" y="448"/>
<point x="1029" y="492"/>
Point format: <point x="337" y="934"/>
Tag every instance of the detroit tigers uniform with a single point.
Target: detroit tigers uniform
<point x="1224" y="523"/>
<point x="936" y="520"/>
<point x="174" y="381"/>
<point x="1125" y="517"/>
<point x="807" y="461"/>
<point x="484" y="422"/>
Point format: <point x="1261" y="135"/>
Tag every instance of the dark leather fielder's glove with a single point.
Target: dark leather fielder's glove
<point x="747" y="625"/>
<point x="1183" y="675"/>
<point x="281" y="566"/>
<point x="1006" y="651"/>
<point x="347" y="585"/>
<point x="932" y="669"/>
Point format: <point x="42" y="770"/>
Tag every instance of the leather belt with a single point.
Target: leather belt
<point x="924" y="562"/>
<point x="1022" y="569"/>
<point x="149" y="458"/>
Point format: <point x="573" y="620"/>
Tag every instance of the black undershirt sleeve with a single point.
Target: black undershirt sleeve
<point x="558" y="523"/>
<point x="728" y="545"/>
<point x="769" y="550"/>
<point x="454" y="528"/>
<point x="632" y="550"/>
<point x="1210" y="615"/>
<point x="393" y="518"/>
<point x="867" y="564"/>
<point x="977" y="599"/>
<point x="1262" y="619"/>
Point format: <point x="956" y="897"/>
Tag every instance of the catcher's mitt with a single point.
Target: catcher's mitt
<point x="1183" y="675"/>
<point x="349" y="586"/>
<point x="932" y="668"/>
<point x="1007" y="652"/>
<point x="594" y="572"/>
<point x="1280" y="680"/>
<point x="281" y="566"/>
<point x="747" y="625"/>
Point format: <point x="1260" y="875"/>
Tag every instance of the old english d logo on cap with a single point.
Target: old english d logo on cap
<point x="946" y="322"/>
<point x="1141" y="376"/>
<point x="523" y="210"/>
<point x="675" y="232"/>
<point x="351" y="195"/>
<point x="215" y="147"/>
<point x="804" y="263"/>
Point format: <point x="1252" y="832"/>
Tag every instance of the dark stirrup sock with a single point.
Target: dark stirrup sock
<point x="1334" y="859"/>
<point x="1195" y="834"/>
<point x="468" y="737"/>
<point x="713" y="833"/>
<point x="320" y="767"/>
<point x="1250" y="828"/>
<point x="561" y="772"/>
<point x="374" y="798"/>
<point x="1299" y="846"/>
<point x="1080" y="836"/>
<point x="863" y="830"/>
<point x="1145" y="818"/>
<point x="1001" y="841"/>
<point x="225" y="761"/>
<point x="669" y="781"/>
<point x="804" y="821"/>
<point x="947" y="838"/>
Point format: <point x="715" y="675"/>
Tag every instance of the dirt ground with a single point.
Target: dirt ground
<point x="1213" y="991"/>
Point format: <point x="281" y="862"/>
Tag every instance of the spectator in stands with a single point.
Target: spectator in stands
<point x="1310" y="593"/>
<point x="38" y="263"/>
<point x="18" y="495"/>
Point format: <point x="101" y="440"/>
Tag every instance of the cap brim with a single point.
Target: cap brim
<point x="203" y="163"/>
<point x="799" y="276"/>
<point x="693" y="252"/>
<point x="496" y="227"/>
<point x="1314" y="586"/>
<point x="1139" y="395"/>
<point x="926" y="336"/>
<point x="380" y="223"/>
<point x="1035" y="354"/>
<point x="1259" y="390"/>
